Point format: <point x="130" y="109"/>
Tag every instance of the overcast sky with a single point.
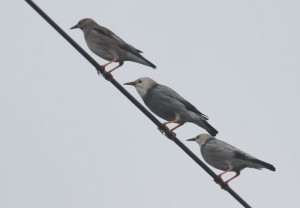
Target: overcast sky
<point x="70" y="139"/>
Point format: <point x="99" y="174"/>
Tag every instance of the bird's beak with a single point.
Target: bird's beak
<point x="130" y="83"/>
<point x="192" y="139"/>
<point x="74" y="27"/>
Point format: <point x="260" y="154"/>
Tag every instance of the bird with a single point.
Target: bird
<point x="108" y="45"/>
<point x="226" y="157"/>
<point x="169" y="105"/>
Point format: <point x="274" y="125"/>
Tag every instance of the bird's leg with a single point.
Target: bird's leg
<point x="114" y="60"/>
<point x="169" y="132"/>
<point x="110" y="71"/>
<point x="236" y="175"/>
<point x="176" y="127"/>
<point x="220" y="180"/>
<point x="107" y="74"/>
<point x="168" y="122"/>
<point x="108" y="63"/>
<point x="120" y="64"/>
<point x="176" y="120"/>
<point x="226" y="171"/>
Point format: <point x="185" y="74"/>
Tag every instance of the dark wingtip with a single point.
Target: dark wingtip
<point x="153" y="66"/>
<point x="150" y="64"/>
<point x="211" y="130"/>
<point x="265" y="164"/>
<point x="272" y="168"/>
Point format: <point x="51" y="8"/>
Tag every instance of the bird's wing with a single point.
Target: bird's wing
<point x="229" y="149"/>
<point x="167" y="91"/>
<point x="252" y="161"/>
<point x="113" y="39"/>
<point x="220" y="148"/>
<point x="125" y="45"/>
<point x="243" y="155"/>
<point x="102" y="32"/>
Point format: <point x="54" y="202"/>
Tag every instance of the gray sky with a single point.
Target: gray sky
<point x="70" y="139"/>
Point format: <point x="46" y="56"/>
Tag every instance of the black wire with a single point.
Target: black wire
<point x="160" y="126"/>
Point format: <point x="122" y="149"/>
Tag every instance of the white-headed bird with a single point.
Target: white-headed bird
<point x="226" y="157"/>
<point x="169" y="105"/>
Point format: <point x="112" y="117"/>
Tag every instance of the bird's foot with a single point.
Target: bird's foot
<point x="107" y="75"/>
<point x="220" y="181"/>
<point x="170" y="135"/>
<point x="98" y="71"/>
<point x="166" y="132"/>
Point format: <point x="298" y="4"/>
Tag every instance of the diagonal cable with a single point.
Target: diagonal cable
<point x="160" y="126"/>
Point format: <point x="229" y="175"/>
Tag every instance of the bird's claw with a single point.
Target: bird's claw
<point x="220" y="181"/>
<point x="107" y="75"/>
<point x="170" y="135"/>
<point x="166" y="132"/>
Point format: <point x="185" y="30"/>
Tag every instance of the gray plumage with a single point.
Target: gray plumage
<point x="226" y="157"/>
<point x="169" y="105"/>
<point x="108" y="45"/>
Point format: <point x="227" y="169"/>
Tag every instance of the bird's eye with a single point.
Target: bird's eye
<point x="140" y="81"/>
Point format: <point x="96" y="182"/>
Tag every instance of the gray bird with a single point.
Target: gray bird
<point x="169" y="105"/>
<point x="226" y="157"/>
<point x="108" y="45"/>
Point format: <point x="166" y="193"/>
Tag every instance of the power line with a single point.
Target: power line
<point x="160" y="126"/>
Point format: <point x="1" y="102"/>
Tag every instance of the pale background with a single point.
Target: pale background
<point x="69" y="139"/>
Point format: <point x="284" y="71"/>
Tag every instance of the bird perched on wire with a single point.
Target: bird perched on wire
<point x="226" y="157"/>
<point x="108" y="45"/>
<point x="169" y="105"/>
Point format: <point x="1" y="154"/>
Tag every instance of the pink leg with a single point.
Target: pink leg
<point x="167" y="122"/>
<point x="108" y="63"/>
<point x="110" y="71"/>
<point x="236" y="175"/>
<point x="176" y="127"/>
<point x="106" y="73"/>
<point x="226" y="171"/>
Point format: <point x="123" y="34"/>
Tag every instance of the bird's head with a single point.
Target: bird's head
<point x="201" y="138"/>
<point x="142" y="85"/>
<point x="84" y="23"/>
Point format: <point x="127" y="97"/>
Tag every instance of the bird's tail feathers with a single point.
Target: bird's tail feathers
<point x="264" y="164"/>
<point x="204" y="124"/>
<point x="149" y="63"/>
<point x="140" y="59"/>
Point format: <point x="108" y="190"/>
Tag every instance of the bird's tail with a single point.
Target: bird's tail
<point x="147" y="63"/>
<point x="204" y="124"/>
<point x="137" y="57"/>
<point x="264" y="164"/>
